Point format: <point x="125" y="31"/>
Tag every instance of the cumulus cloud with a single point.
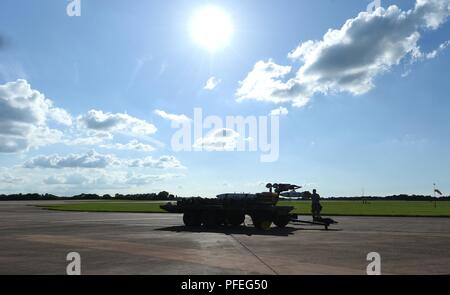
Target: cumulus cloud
<point x="78" y="180"/>
<point x="132" y="145"/>
<point x="61" y="116"/>
<point x="98" y="120"/>
<point x="172" y="117"/>
<point x="346" y="59"/>
<point x="263" y="81"/>
<point x="91" y="159"/>
<point x="433" y="13"/>
<point x="212" y="83"/>
<point x="163" y="162"/>
<point x="24" y="114"/>
<point x="222" y="139"/>
<point x="70" y="179"/>
<point x="281" y="111"/>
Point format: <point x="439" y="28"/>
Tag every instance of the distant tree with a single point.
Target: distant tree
<point x="163" y="195"/>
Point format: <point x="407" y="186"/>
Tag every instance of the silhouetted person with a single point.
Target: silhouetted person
<point x="315" y="206"/>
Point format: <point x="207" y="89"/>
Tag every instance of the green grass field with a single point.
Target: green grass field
<point x="374" y="208"/>
<point x="336" y="208"/>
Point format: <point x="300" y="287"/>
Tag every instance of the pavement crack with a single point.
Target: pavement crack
<point x="256" y="256"/>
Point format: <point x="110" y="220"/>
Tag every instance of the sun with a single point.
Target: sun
<point x="211" y="27"/>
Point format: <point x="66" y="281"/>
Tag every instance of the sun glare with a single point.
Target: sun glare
<point x="211" y="28"/>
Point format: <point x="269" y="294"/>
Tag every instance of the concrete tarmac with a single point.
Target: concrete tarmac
<point x="36" y="241"/>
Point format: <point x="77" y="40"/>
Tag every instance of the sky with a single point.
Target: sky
<point x="90" y="103"/>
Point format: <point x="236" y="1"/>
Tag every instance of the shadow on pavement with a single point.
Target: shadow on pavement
<point x="318" y="229"/>
<point x="243" y="230"/>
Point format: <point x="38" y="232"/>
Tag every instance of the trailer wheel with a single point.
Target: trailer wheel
<point x="282" y="221"/>
<point x="191" y="219"/>
<point x="262" y="223"/>
<point x="209" y="219"/>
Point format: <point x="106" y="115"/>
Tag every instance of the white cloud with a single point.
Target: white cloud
<point x="418" y="55"/>
<point x="281" y="111"/>
<point x="91" y="159"/>
<point x="347" y="59"/>
<point x="9" y="179"/>
<point x="132" y="145"/>
<point x="24" y="113"/>
<point x="163" y="162"/>
<point x="118" y="122"/>
<point x="433" y="13"/>
<point x="117" y="179"/>
<point x="145" y="179"/>
<point x="89" y="137"/>
<point x="263" y="81"/>
<point x="105" y="179"/>
<point x="61" y="116"/>
<point x="44" y="135"/>
<point x="70" y="179"/>
<point x="99" y="128"/>
<point x="212" y="83"/>
<point x="222" y="139"/>
<point x="172" y="117"/>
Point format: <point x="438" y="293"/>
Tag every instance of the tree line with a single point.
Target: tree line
<point x="161" y="196"/>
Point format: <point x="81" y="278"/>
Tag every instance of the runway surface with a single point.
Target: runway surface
<point x="36" y="241"/>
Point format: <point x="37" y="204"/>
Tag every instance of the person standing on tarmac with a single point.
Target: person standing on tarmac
<point x="315" y="206"/>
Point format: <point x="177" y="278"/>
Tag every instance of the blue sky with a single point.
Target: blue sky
<point x="365" y="110"/>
